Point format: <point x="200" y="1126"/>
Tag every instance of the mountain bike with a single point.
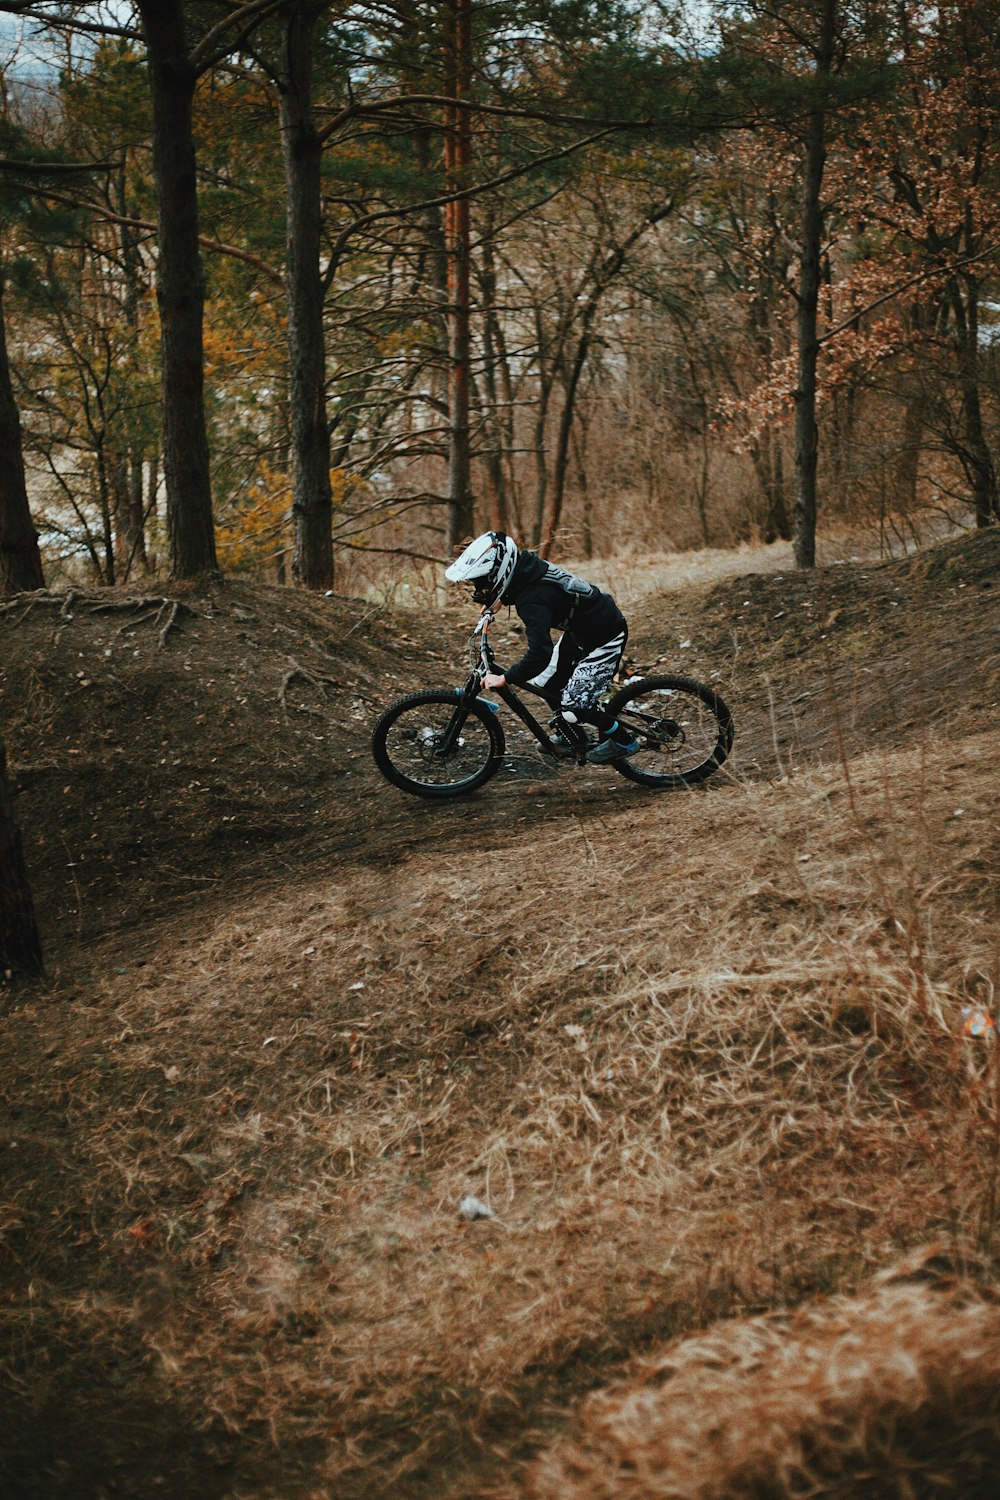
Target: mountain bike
<point x="446" y="743"/>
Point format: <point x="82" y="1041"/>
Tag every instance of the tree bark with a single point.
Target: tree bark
<point x="806" y="430"/>
<point x="493" y="351"/>
<point x="180" y="291"/>
<point x="458" y="159"/>
<point x="768" y="462"/>
<point x="20" y="944"/>
<point x="127" y="469"/>
<point x="976" y="457"/>
<point x="566" y="426"/>
<point x="587" y="507"/>
<point x="906" y="464"/>
<point x="128" y="513"/>
<point x="547" y="365"/>
<point x="20" y="560"/>
<point x="302" y="151"/>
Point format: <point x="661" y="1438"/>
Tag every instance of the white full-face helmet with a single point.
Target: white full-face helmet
<point x="487" y="562"/>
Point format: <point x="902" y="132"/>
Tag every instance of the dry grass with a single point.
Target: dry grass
<point x="701" y="1056"/>
<point x="892" y="1394"/>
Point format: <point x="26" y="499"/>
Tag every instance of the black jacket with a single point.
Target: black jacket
<point x="548" y="598"/>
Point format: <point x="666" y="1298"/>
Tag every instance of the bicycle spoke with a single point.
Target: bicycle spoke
<point x="684" y="730"/>
<point x="414" y="747"/>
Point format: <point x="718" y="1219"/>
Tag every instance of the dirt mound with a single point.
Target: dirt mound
<point x="166" y="747"/>
<point x="893" y="1393"/>
<point x="831" y="662"/>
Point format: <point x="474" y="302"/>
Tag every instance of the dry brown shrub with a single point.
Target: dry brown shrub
<point x="895" y="1393"/>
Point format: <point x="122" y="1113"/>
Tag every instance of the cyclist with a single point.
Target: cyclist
<point x="574" y="672"/>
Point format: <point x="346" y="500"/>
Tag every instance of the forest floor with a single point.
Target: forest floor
<point x="701" y="1053"/>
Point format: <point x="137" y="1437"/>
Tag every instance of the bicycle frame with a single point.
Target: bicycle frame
<point x="575" y="738"/>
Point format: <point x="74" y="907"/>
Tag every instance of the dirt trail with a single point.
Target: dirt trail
<point x="160" y="769"/>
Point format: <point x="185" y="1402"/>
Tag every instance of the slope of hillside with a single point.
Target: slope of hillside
<point x="701" y="1054"/>
<point x="166" y="747"/>
<point x="166" y="750"/>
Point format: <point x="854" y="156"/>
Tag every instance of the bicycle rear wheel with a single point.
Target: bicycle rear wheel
<point x="684" y="728"/>
<point x="407" y="741"/>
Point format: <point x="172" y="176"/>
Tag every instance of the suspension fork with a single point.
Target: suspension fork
<point x="465" y="696"/>
<point x="470" y="692"/>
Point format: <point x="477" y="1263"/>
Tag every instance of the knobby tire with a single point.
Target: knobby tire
<point x="684" y="727"/>
<point x="406" y="737"/>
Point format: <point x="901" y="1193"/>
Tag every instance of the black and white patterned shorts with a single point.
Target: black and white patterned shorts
<point x="575" y="678"/>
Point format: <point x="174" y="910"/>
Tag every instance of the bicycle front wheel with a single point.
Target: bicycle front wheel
<point x="684" y="728"/>
<point x="408" y="740"/>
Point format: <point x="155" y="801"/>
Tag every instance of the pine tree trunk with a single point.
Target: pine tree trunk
<point x="492" y="349"/>
<point x="458" y="235"/>
<point x="806" y="431"/>
<point x="127" y="474"/>
<point x="128" y="515"/>
<point x="20" y="561"/>
<point x="20" y="944"/>
<point x="587" y="517"/>
<point x="302" y="151"/>
<point x="546" y="376"/>
<point x="566" y="428"/>
<point x="977" y="458"/>
<point x="180" y="292"/>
